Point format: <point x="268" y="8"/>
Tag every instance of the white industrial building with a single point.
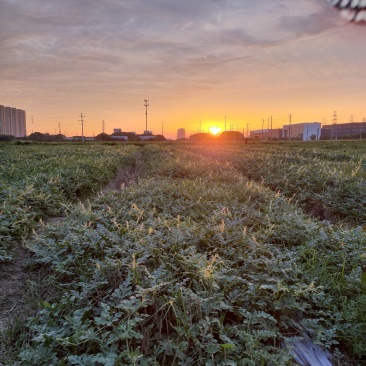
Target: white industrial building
<point x="305" y="131"/>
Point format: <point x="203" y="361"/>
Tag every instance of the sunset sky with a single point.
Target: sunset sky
<point x="196" y="61"/>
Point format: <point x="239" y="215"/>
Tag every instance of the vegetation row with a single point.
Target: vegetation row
<point x="327" y="179"/>
<point x="37" y="182"/>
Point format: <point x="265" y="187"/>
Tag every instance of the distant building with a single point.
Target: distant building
<point x="267" y="134"/>
<point x="12" y="121"/>
<point x="343" y="130"/>
<point x="302" y="131"/>
<point x="115" y="130"/>
<point x="147" y="137"/>
<point x="181" y="133"/>
<point x="80" y="138"/>
<point x="125" y="138"/>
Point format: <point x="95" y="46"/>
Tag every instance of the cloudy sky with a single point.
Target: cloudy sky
<point x="196" y="61"/>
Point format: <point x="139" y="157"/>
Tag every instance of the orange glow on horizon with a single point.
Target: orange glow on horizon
<point x="214" y="130"/>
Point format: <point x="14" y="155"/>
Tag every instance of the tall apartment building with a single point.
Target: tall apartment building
<point x="181" y="133"/>
<point x="12" y="122"/>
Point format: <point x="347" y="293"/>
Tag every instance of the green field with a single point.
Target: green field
<point x="206" y="255"/>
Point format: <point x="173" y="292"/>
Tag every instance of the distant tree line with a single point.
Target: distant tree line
<point x="45" y="137"/>
<point x="7" y="138"/>
<point x="224" y="136"/>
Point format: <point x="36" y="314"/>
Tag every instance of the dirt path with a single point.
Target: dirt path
<point x="13" y="277"/>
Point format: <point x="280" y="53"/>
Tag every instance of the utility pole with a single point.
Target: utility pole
<point x="162" y="128"/>
<point x="103" y="126"/>
<point x="262" y="127"/>
<point x="351" y="118"/>
<point x="82" y="126"/>
<point x="146" y="105"/>
<point x="59" y="128"/>
<point x="225" y="134"/>
<point x="247" y="130"/>
<point x="335" y="125"/>
<point x="32" y="124"/>
<point x="289" y="127"/>
<point x="271" y="128"/>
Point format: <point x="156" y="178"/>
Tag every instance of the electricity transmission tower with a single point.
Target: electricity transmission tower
<point x="82" y="126"/>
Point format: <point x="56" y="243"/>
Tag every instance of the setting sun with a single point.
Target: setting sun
<point x="214" y="130"/>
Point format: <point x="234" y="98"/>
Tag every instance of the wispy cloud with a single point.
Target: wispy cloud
<point x="121" y="50"/>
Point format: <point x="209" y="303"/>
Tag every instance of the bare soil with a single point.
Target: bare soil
<point x="13" y="277"/>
